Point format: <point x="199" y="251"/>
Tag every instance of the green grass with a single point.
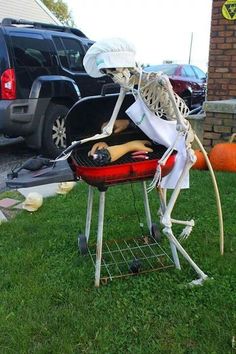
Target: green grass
<point x="49" y="303"/>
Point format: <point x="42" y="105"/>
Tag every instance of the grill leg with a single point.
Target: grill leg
<point x="89" y="212"/>
<point x="99" y="238"/>
<point x="147" y="207"/>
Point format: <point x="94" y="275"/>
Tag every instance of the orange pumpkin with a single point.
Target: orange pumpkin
<point x="223" y="156"/>
<point x="200" y="164"/>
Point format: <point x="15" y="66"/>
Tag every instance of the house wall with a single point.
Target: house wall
<point x="222" y="55"/>
<point x="32" y="10"/>
<point x="220" y="107"/>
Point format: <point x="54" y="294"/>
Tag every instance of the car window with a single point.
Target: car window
<point x="188" y="71"/>
<point x="30" y="51"/>
<point x="200" y="74"/>
<point x="70" y="53"/>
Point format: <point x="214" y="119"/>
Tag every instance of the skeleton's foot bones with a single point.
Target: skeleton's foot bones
<point x="198" y="282"/>
<point x="185" y="232"/>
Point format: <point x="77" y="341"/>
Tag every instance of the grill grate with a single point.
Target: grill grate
<point x="129" y="257"/>
<point x="81" y="157"/>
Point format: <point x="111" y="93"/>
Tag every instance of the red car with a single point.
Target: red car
<point x="188" y="81"/>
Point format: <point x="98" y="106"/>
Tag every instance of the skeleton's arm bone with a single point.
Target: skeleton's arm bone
<point x="108" y="129"/>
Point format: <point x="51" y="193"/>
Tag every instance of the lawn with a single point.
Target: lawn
<point x="49" y="303"/>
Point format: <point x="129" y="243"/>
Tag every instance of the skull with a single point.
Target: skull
<point x="65" y="187"/>
<point x="33" y="201"/>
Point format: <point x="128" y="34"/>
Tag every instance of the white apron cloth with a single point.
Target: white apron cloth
<point x="162" y="132"/>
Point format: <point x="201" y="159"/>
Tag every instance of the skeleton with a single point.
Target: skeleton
<point x="156" y="92"/>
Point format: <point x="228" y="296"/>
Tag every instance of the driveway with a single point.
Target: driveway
<point x="12" y="153"/>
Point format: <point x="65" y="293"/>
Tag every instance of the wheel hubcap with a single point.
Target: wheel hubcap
<point x="59" y="132"/>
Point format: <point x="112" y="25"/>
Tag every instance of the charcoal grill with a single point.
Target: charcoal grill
<point x="84" y="120"/>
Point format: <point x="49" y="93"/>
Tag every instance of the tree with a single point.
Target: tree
<point x="60" y="9"/>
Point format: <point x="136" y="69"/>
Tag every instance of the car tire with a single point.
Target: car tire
<point x="83" y="245"/>
<point x="155" y="233"/>
<point x="54" y="133"/>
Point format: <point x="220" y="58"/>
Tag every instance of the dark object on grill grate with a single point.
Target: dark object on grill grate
<point x="135" y="266"/>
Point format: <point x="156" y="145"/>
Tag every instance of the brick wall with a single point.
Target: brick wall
<point x="222" y="55"/>
<point x="220" y="107"/>
<point x="220" y="122"/>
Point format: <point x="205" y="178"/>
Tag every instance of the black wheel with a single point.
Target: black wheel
<point x="83" y="245"/>
<point x="54" y="131"/>
<point x="156" y="233"/>
<point x="135" y="266"/>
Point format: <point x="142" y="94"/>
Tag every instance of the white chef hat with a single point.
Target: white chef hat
<point x="109" y="53"/>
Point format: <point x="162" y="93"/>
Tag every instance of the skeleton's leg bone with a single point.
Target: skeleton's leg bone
<point x="183" y="222"/>
<point x="174" y="254"/>
<point x="162" y="196"/>
<point x="168" y="232"/>
<point x="166" y="219"/>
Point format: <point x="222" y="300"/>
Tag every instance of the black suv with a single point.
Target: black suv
<point x="41" y="77"/>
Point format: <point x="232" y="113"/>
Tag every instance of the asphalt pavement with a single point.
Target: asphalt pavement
<point x="12" y="153"/>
